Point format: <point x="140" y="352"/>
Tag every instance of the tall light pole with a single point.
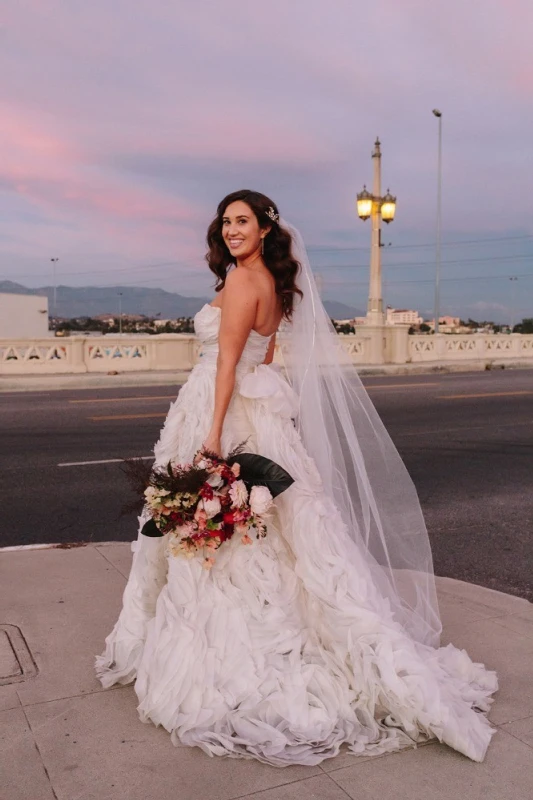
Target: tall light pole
<point x="120" y="313"/>
<point x="377" y="208"/>
<point x="513" y="280"/>
<point x="438" y="114"/>
<point x="54" y="303"/>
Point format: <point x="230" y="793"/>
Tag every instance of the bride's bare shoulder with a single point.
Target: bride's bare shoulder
<point x="239" y="282"/>
<point x="239" y="290"/>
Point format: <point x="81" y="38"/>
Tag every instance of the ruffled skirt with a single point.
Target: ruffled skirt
<point x="285" y="650"/>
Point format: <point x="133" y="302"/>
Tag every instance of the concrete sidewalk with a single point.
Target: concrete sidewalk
<point x="64" y="738"/>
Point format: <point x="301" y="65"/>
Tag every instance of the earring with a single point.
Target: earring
<point x="262" y="245"/>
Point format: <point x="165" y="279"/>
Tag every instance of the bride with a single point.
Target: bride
<point x="325" y="632"/>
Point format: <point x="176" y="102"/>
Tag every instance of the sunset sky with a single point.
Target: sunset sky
<point x="125" y="122"/>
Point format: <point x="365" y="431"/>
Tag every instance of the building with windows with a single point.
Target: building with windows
<point x="403" y="316"/>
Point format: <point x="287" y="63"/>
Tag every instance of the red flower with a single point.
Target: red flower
<point x="226" y="532"/>
<point x="207" y="492"/>
<point x="228" y="517"/>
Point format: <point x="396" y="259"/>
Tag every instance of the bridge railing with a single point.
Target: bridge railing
<point x="179" y="351"/>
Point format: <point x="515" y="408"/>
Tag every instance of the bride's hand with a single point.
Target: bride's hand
<point x="212" y="443"/>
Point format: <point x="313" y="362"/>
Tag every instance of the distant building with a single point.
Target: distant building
<point x="403" y="316"/>
<point x="448" y="325"/>
<point x="23" y="316"/>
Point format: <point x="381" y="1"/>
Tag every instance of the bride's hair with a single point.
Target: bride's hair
<point x="277" y="254"/>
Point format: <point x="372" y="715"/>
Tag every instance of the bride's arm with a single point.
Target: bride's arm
<point x="239" y="308"/>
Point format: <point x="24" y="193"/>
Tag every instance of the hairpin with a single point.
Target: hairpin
<point x="272" y="214"/>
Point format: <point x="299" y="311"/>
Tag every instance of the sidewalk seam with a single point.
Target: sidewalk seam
<point x="77" y="696"/>
<point x="110" y="562"/>
<point x="40" y="754"/>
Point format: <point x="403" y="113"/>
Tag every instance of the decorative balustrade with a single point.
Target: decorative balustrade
<point x="179" y="351"/>
<point x="470" y="347"/>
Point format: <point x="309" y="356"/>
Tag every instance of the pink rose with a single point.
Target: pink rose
<point x="201" y="518"/>
<point x="238" y="493"/>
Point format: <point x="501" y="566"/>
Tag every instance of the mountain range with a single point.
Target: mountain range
<point x="89" y="301"/>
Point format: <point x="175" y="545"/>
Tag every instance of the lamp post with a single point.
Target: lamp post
<point x="438" y="114"/>
<point x="513" y="280"/>
<point x="54" y="303"/>
<point x="375" y="207"/>
<point x="120" y="313"/>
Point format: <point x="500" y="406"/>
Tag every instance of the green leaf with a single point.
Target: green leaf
<point x="257" y="470"/>
<point x="150" y="529"/>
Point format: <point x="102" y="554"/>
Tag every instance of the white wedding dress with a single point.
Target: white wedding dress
<point x="284" y="650"/>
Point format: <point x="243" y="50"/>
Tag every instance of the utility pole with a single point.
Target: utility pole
<point x="513" y="280"/>
<point x="120" y="313"/>
<point x="438" y="114"/>
<point x="54" y="302"/>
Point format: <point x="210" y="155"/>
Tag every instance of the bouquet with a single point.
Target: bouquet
<point x="203" y="504"/>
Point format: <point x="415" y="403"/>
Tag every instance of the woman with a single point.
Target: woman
<point x="326" y="631"/>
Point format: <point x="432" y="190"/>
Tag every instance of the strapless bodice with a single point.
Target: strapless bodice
<point x="207" y="326"/>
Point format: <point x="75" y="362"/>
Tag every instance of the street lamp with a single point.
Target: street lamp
<point x="375" y="207"/>
<point x="388" y="208"/>
<point x="364" y="204"/>
<point x="438" y="114"/>
<point x="54" y="304"/>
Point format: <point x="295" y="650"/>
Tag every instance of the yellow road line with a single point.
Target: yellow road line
<point x="126" y="399"/>
<point x="463" y="429"/>
<point x="126" y="416"/>
<point x="370" y="386"/>
<point x="482" y="394"/>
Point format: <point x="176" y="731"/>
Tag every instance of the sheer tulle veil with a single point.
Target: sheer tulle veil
<point x="360" y="468"/>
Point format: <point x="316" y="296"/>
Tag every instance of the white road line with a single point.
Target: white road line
<point x="103" y="461"/>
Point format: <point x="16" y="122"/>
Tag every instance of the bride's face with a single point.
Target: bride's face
<point x="240" y="230"/>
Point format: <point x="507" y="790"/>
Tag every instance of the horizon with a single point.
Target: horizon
<point x="48" y="292"/>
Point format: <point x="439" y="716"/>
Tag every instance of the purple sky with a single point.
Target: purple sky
<point x="124" y="123"/>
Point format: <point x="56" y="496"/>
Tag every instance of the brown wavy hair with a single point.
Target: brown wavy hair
<point x="277" y="255"/>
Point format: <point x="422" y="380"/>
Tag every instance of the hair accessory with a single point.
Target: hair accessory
<point x="272" y="214"/>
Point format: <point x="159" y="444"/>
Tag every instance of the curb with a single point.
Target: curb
<point x="59" y="546"/>
<point x="46" y="383"/>
<point x="52" y="383"/>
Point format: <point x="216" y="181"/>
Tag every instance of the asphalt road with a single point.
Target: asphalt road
<point x="466" y="438"/>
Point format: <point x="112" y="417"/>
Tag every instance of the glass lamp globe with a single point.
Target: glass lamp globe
<point x="364" y="204"/>
<point x="388" y="207"/>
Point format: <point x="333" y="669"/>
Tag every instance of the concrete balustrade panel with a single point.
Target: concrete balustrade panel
<point x="371" y="345"/>
<point x="470" y="347"/>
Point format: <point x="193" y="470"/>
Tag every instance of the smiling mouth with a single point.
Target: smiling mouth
<point x="234" y="243"/>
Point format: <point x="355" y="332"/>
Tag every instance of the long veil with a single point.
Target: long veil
<point x="361" y="469"/>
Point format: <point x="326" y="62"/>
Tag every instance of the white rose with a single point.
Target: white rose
<point x="260" y="499"/>
<point x="215" y="480"/>
<point x="238" y="493"/>
<point x="212" y="507"/>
